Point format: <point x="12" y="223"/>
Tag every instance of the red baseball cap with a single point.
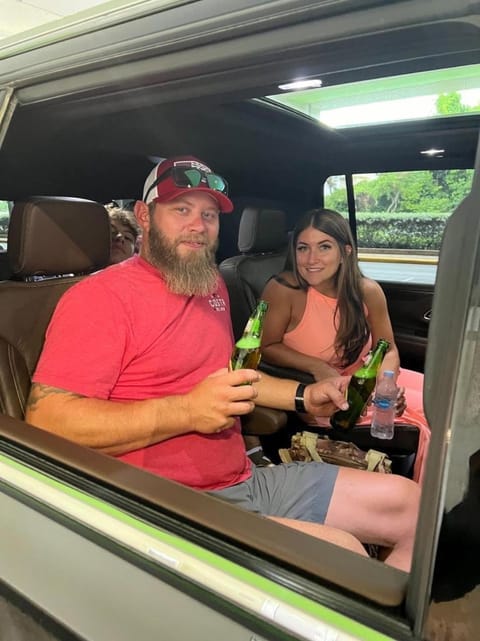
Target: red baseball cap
<point x="173" y="177"/>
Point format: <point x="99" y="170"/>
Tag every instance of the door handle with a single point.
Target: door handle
<point x="427" y="316"/>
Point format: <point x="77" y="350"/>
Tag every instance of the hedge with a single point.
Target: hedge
<point x="400" y="230"/>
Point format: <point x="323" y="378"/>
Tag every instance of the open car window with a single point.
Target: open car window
<point x="186" y="77"/>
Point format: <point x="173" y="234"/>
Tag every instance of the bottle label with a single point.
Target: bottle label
<point x="383" y="403"/>
<point x="248" y="342"/>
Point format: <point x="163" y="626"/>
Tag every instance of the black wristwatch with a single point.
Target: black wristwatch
<point x="300" y="399"/>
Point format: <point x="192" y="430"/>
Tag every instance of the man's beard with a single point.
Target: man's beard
<point x="195" y="274"/>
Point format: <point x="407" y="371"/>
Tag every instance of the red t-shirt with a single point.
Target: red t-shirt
<point x="120" y="334"/>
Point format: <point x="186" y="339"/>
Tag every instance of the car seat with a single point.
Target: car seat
<point x="262" y="241"/>
<point x="52" y="243"/>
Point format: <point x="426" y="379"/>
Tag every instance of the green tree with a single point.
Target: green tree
<point x="451" y="103"/>
<point x="455" y="182"/>
<point x="410" y="191"/>
<point x="337" y="200"/>
<point x="383" y="193"/>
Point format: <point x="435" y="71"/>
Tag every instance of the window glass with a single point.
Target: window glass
<point x="335" y="194"/>
<point x="400" y="218"/>
<point x="5" y="207"/>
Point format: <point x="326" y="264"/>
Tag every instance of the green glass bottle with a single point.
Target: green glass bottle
<point x="360" y="389"/>
<point x="246" y="353"/>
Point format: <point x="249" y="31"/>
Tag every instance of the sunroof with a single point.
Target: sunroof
<point x="426" y="94"/>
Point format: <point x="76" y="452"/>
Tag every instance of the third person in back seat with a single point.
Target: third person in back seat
<point x="125" y="236"/>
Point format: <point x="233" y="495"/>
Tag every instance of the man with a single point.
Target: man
<point x="134" y="366"/>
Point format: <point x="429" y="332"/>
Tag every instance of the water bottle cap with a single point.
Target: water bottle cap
<point x="388" y="373"/>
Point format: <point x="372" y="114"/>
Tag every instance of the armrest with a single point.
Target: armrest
<point x="404" y="441"/>
<point x="406" y="436"/>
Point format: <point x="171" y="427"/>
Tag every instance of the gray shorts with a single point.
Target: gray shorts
<point x="293" y="490"/>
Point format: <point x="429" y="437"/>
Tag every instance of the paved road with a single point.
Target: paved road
<point x="400" y="272"/>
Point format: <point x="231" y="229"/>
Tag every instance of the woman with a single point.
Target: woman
<point x="324" y="315"/>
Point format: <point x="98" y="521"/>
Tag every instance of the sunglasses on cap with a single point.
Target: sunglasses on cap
<point x="190" y="177"/>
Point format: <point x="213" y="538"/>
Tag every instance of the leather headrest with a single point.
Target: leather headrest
<point x="262" y="230"/>
<point x="50" y="236"/>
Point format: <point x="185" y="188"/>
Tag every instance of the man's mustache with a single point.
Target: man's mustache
<point x="192" y="238"/>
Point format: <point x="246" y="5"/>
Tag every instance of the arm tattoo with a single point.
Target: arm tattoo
<point x="39" y="392"/>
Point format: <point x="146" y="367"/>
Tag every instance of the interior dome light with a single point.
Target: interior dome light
<point x="296" y="85"/>
<point x="433" y="152"/>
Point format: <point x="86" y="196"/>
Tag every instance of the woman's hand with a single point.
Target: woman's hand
<point x="401" y="403"/>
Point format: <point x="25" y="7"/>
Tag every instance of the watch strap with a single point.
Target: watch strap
<point x="300" y="399"/>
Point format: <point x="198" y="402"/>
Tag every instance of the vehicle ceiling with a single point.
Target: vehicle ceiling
<point x="97" y="142"/>
<point x="255" y="145"/>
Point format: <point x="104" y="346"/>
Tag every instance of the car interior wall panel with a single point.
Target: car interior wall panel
<point x="410" y="306"/>
<point x="5" y="269"/>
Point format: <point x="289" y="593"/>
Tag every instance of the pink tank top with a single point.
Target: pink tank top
<point x="315" y="333"/>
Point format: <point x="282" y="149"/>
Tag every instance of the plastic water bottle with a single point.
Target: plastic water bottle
<point x="384" y="407"/>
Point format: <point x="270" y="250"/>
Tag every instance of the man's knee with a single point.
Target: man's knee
<point x="361" y="498"/>
<point x="405" y="498"/>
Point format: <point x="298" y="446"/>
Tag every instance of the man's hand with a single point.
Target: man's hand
<point x="216" y="401"/>
<point x="327" y="396"/>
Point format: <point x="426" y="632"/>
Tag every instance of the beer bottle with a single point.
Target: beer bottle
<point x="359" y="390"/>
<point x="246" y="353"/>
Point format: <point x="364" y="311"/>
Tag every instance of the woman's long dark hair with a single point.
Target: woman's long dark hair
<point x="352" y="330"/>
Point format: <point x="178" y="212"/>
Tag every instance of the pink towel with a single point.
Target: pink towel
<point x="413" y="415"/>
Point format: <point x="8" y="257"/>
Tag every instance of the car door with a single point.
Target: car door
<point x="83" y="536"/>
